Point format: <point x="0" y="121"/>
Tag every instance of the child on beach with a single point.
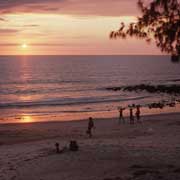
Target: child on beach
<point x="121" y="117"/>
<point x="90" y="126"/>
<point x="131" y="115"/>
<point x="138" y="112"/>
<point x="57" y="148"/>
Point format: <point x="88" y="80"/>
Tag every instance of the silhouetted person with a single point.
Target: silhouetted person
<point x="57" y="147"/>
<point x="121" y="117"/>
<point x="138" y="113"/>
<point x="90" y="126"/>
<point x="131" y="116"/>
<point x="73" y="146"/>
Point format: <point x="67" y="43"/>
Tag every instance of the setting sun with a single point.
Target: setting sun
<point x="24" y="46"/>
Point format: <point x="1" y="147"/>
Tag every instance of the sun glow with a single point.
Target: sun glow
<point x="24" y="46"/>
<point x="24" y="49"/>
<point x="26" y="119"/>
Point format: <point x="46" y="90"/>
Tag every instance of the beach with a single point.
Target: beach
<point x="90" y="90"/>
<point x="147" y="150"/>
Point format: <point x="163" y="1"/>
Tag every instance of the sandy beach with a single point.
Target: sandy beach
<point x="148" y="150"/>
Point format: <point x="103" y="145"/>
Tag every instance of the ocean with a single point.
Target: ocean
<point x="61" y="88"/>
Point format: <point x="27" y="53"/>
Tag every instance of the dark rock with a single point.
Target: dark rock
<point x="169" y="89"/>
<point x="156" y="105"/>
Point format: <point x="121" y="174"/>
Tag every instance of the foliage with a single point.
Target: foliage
<point x="160" y="21"/>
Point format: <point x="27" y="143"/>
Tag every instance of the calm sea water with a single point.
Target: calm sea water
<point x="41" y="88"/>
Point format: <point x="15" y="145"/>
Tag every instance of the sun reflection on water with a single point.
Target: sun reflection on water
<point x="26" y="119"/>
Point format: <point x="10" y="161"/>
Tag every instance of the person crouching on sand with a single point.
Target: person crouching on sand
<point x="90" y="126"/>
<point x="121" y="117"/>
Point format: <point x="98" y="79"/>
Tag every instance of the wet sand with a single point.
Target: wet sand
<point x="148" y="150"/>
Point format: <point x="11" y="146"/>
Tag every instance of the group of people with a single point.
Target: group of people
<point x="121" y="118"/>
<point x="73" y="146"/>
<point x="131" y="114"/>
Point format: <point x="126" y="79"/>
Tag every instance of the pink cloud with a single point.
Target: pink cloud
<point x="74" y="7"/>
<point x="2" y="19"/>
<point x="8" y="31"/>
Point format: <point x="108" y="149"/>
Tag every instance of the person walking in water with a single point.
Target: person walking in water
<point x="121" y="117"/>
<point x="138" y="112"/>
<point x="131" y="115"/>
<point x="90" y="126"/>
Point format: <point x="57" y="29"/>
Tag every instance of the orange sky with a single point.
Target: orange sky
<point x="67" y="27"/>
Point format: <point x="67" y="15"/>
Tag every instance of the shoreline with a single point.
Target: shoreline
<point x="107" y="114"/>
<point x="85" y="120"/>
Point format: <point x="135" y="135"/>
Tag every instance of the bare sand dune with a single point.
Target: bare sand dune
<point x="150" y="150"/>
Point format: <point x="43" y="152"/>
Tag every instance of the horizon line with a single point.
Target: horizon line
<point x="86" y="55"/>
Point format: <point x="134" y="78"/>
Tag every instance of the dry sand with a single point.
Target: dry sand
<point x="146" y="151"/>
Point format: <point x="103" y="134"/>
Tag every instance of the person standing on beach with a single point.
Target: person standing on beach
<point x="57" y="148"/>
<point x="90" y="126"/>
<point x="121" y="117"/>
<point x="131" y="115"/>
<point x="138" y="112"/>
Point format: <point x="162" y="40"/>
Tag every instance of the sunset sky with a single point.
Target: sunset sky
<point x="67" y="27"/>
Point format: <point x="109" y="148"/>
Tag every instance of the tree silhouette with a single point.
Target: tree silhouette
<point x="160" y="21"/>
